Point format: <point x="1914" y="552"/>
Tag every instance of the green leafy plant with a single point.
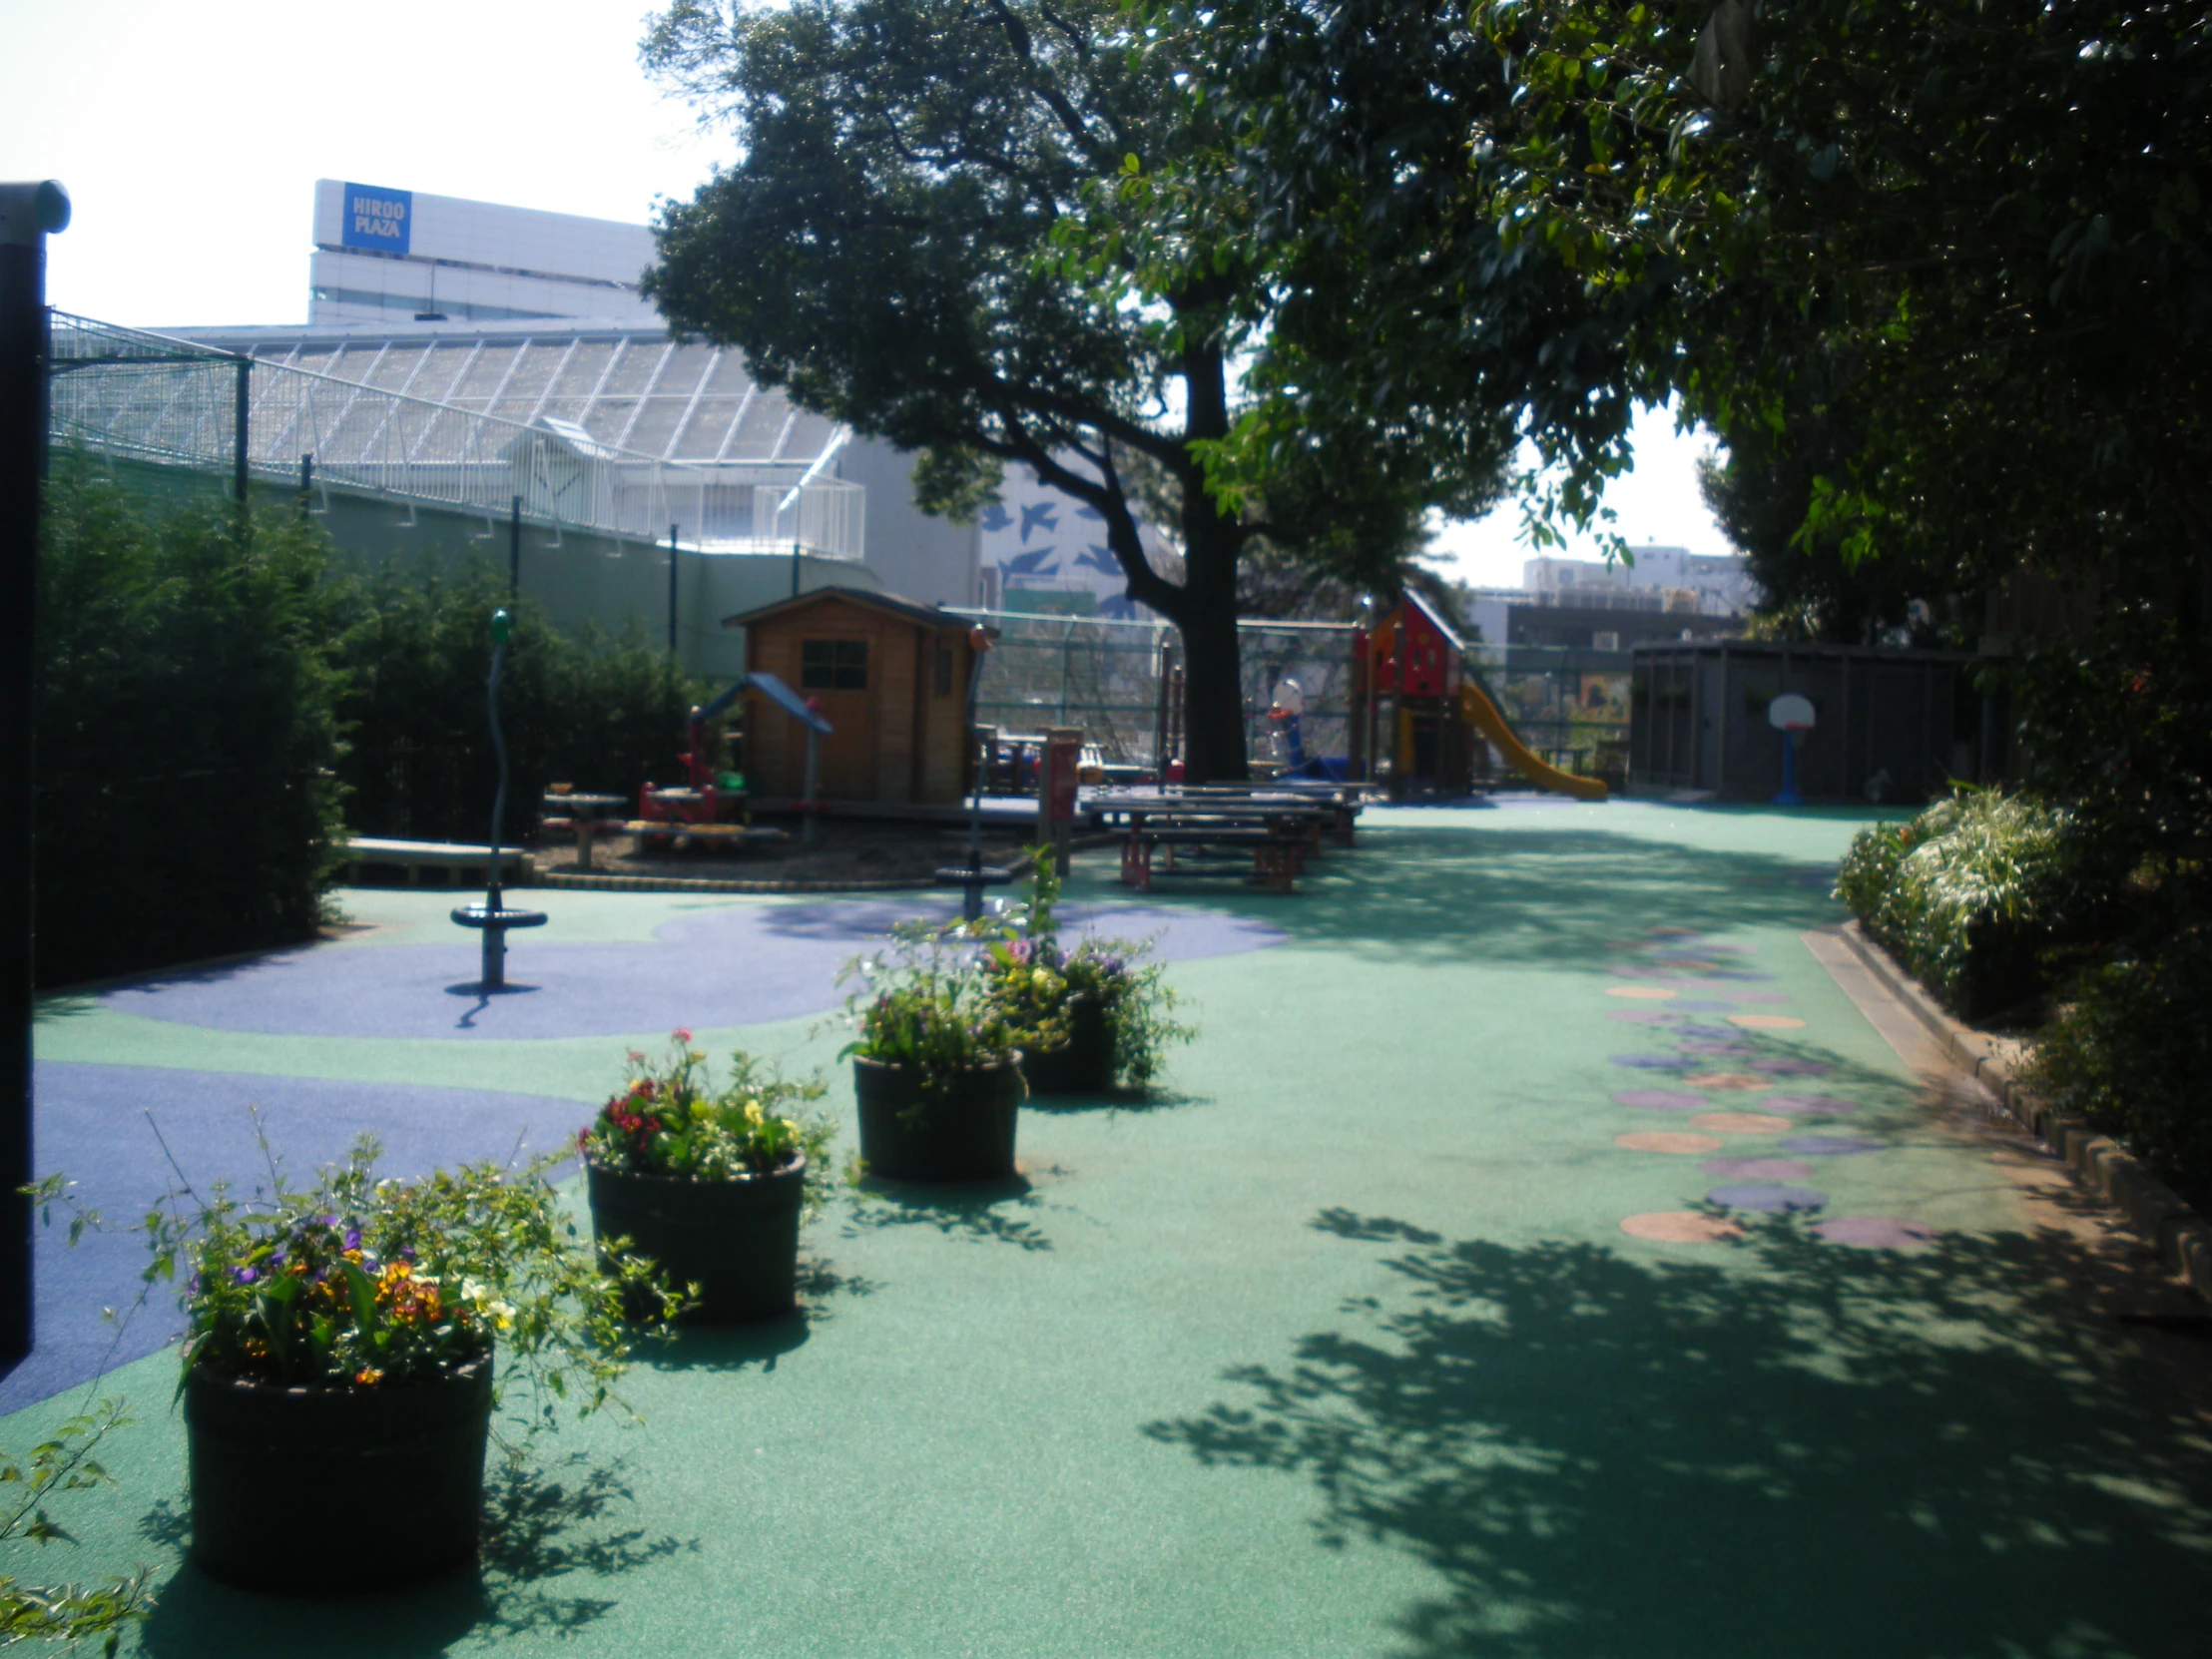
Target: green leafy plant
<point x="1976" y="893"/>
<point x="2130" y="1051"/>
<point x="924" y="1003"/>
<point x="67" y="1614"/>
<point x="357" y="1282"/>
<point x="670" y="1120"/>
<point x="1033" y="981"/>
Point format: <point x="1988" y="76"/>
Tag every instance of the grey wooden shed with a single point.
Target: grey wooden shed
<point x="1698" y="719"/>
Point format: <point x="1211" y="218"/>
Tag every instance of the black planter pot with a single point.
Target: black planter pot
<point x="738" y="1240"/>
<point x="963" y="1131"/>
<point x="322" y="1490"/>
<point x="1084" y="1064"/>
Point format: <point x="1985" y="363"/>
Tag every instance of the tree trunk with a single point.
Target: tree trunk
<point x="1213" y="681"/>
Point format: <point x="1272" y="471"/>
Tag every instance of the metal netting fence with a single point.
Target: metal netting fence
<point x="1109" y="677"/>
<point x="133" y="395"/>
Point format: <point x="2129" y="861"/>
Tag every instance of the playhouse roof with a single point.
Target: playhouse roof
<point x="1434" y="617"/>
<point x="906" y="609"/>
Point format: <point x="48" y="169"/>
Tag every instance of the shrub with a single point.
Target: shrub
<point x="604" y="712"/>
<point x="2131" y="1052"/>
<point x="186" y="730"/>
<point x="1975" y="892"/>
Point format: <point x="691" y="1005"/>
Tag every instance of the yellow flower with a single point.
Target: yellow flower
<point x="368" y="1377"/>
<point x="752" y="1115"/>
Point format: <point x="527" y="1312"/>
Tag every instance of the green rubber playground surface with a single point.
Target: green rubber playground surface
<point x="1409" y="1319"/>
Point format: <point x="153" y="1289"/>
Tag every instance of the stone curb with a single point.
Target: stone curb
<point x="2182" y="1237"/>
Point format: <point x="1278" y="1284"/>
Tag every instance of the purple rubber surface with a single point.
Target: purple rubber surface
<point x="1698" y="1005"/>
<point x="1641" y="1016"/>
<point x="91" y="1126"/>
<point x="1832" y="1146"/>
<point x="1718" y="1045"/>
<point x="1789" y="1065"/>
<point x="1759" y="1169"/>
<point x="735" y="965"/>
<point x="1769" y="1196"/>
<point x="1663" y="1100"/>
<point x="1658" y="1062"/>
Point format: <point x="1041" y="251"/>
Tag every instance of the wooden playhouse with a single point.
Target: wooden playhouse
<point x="890" y="676"/>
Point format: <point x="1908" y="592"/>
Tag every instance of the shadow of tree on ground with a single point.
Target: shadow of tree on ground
<point x="1792" y="1447"/>
<point x="1489" y="893"/>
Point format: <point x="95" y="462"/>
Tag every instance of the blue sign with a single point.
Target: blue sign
<point x="378" y="218"/>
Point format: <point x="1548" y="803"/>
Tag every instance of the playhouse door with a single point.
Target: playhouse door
<point x="839" y="674"/>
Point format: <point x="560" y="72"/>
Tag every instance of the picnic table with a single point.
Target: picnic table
<point x="587" y="816"/>
<point x="1279" y="829"/>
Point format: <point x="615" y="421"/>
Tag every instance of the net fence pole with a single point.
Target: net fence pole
<point x="28" y="212"/>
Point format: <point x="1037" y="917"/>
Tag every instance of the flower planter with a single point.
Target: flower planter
<point x="738" y="1240"/>
<point x="315" y="1490"/>
<point x="961" y="1131"/>
<point x="1084" y="1064"/>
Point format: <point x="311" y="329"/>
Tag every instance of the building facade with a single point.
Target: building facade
<point x="384" y="256"/>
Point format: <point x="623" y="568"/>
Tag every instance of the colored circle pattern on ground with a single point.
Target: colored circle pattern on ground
<point x="1767" y="1022"/>
<point x="1667" y="1140"/>
<point x="1807" y="1105"/>
<point x="1741" y="1123"/>
<point x="1757" y="1168"/>
<point x="1659" y="1100"/>
<point x="1680" y="1227"/>
<point x="1830" y="1146"/>
<point x="1655" y="1062"/>
<point x="1728" y="1081"/>
<point x="1877" y="1233"/>
<point x="1771" y="1196"/>
<point x="1641" y="994"/>
<point x="1790" y="1065"/>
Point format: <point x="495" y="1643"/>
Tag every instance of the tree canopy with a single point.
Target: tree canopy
<point x="1968" y="233"/>
<point x="900" y="244"/>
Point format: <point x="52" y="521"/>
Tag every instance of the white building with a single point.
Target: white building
<point x="384" y="256"/>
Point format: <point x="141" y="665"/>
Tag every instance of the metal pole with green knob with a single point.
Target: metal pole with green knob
<point x="493" y="916"/>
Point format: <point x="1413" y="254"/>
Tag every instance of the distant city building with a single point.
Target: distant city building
<point x="384" y="256"/>
<point x="1661" y="578"/>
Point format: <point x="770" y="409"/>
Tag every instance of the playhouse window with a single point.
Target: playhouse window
<point x="945" y="671"/>
<point x="832" y="665"/>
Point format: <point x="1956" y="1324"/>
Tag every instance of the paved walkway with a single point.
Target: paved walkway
<point x="1537" y="1255"/>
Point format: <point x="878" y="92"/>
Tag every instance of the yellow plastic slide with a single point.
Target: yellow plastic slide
<point x="1482" y="714"/>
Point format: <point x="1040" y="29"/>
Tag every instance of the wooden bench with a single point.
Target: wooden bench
<point x="417" y="856"/>
<point x="735" y="835"/>
<point x="1277" y="861"/>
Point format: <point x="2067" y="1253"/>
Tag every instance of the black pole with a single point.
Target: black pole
<point x="514" y="550"/>
<point x="672" y="590"/>
<point x="28" y="213"/>
<point x="795" y="570"/>
<point x="307" y="486"/>
<point x="239" y="414"/>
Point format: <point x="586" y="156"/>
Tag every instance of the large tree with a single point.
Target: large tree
<point x="1977" y="225"/>
<point x="894" y="244"/>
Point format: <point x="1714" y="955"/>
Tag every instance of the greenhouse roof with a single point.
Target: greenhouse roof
<point x="634" y="390"/>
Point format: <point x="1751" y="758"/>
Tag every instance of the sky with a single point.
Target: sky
<point x="189" y="139"/>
